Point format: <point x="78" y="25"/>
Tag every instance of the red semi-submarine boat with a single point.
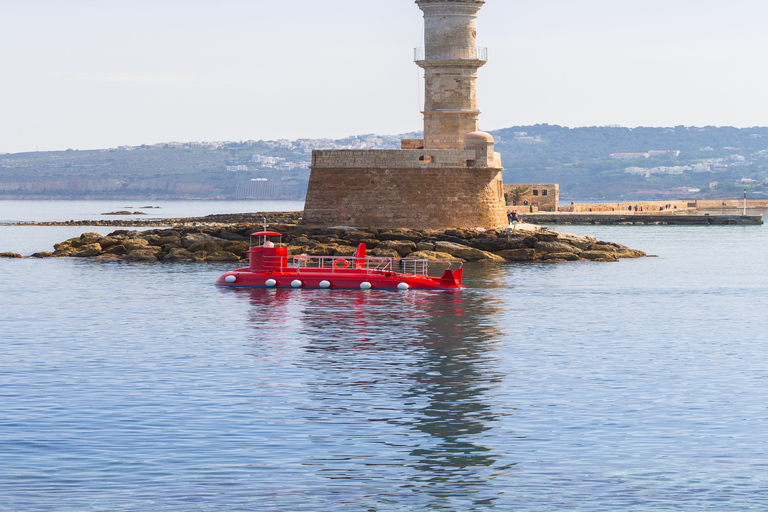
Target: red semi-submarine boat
<point x="271" y="267"/>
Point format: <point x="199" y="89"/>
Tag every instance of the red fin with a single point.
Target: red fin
<point x="452" y="277"/>
<point x="360" y="256"/>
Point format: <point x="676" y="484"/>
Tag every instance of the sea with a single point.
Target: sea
<point x="638" y="385"/>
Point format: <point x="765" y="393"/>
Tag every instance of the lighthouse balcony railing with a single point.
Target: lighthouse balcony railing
<point x="450" y="53"/>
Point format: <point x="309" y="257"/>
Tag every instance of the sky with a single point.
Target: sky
<point x="92" y="74"/>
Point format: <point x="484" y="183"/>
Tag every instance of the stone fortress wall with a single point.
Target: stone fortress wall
<point x="420" y="189"/>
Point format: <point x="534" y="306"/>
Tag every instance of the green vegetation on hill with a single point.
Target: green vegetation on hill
<point x="579" y="159"/>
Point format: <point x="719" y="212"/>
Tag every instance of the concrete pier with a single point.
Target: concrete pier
<point x="643" y="218"/>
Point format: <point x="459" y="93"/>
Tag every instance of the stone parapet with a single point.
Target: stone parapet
<point x="391" y="158"/>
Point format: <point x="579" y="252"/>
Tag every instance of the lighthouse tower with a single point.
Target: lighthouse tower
<point x="450" y="59"/>
<point x="451" y="177"/>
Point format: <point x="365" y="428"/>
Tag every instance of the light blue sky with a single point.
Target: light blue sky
<point x="100" y="73"/>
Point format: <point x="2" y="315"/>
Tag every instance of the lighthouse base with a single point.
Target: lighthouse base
<point x="418" y="189"/>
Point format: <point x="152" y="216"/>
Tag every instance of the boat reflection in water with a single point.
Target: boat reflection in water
<point x="396" y="390"/>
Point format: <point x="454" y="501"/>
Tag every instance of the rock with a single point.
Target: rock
<point x="425" y="246"/>
<point x="563" y="256"/>
<point x="172" y="240"/>
<point x="89" y="238"/>
<point x="400" y="234"/>
<point x="230" y="235"/>
<point x="614" y="245"/>
<point x="518" y="254"/>
<point x="191" y="238"/>
<point x="295" y="250"/>
<point x="302" y="240"/>
<point x="108" y="256"/>
<point x="500" y="244"/>
<point x="630" y="253"/>
<point x="133" y="244"/>
<point x="178" y="254"/>
<point x="555" y="247"/>
<point x="402" y="247"/>
<point x="277" y="227"/>
<point x="370" y="243"/>
<point x="237" y="247"/>
<point x="464" y="252"/>
<point x="216" y="240"/>
<point x="88" y="250"/>
<point x="322" y="249"/>
<point x="108" y="241"/>
<point x="9" y="255"/>
<point x="345" y="250"/>
<point x="384" y="253"/>
<point x="452" y="239"/>
<point x="464" y="234"/>
<point x="340" y="231"/>
<point x="117" y="250"/>
<point x="172" y="245"/>
<point x="432" y="234"/>
<point x="141" y="255"/>
<point x="359" y="236"/>
<point x="582" y="242"/>
<point x="432" y="255"/>
<point x="43" y="254"/>
<point x="209" y="246"/>
<point x="545" y="236"/>
<point x="602" y="247"/>
<point x="222" y="256"/>
<point x="328" y="239"/>
<point x="72" y="243"/>
<point x="489" y="256"/>
<point x="599" y="256"/>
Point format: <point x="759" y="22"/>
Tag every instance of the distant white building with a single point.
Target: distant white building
<point x="235" y="168"/>
<point x="664" y="152"/>
<point x="677" y="169"/>
<point x="266" y="161"/>
<point x="701" y="167"/>
<point x="628" y="156"/>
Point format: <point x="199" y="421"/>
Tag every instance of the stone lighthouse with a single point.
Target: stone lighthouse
<point x="451" y="177"/>
<point x="450" y="59"/>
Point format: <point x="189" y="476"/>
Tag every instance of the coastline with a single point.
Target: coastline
<point x="223" y="238"/>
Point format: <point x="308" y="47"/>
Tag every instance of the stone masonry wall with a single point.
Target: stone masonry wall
<point x="428" y="197"/>
<point x="544" y="197"/>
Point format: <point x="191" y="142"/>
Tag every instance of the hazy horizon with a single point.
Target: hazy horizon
<point x="91" y="76"/>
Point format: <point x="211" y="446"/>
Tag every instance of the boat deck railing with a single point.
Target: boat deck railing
<point x="368" y="265"/>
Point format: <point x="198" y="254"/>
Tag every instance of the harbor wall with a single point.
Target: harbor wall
<point x="664" y="206"/>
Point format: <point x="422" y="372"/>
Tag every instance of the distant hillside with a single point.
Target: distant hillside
<point x="579" y="159"/>
<point x="593" y="162"/>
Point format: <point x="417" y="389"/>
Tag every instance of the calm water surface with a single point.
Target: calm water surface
<point x="637" y="385"/>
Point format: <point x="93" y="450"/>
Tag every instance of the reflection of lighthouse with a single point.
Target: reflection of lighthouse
<point x="450" y="60"/>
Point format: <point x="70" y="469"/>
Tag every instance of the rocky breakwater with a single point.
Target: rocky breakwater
<point x="228" y="243"/>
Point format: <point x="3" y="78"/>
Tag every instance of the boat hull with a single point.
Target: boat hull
<point x="350" y="278"/>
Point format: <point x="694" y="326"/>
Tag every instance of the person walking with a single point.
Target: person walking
<point x="513" y="219"/>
